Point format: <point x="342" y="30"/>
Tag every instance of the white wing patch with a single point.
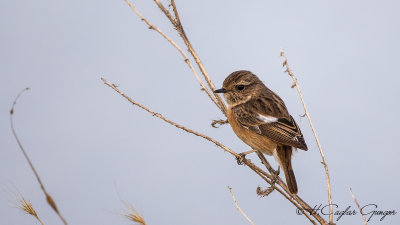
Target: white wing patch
<point x="267" y="119"/>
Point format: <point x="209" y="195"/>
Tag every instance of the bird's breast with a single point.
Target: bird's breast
<point x="254" y="140"/>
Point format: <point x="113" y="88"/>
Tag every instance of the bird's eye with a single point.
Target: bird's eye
<point x="240" y="87"/>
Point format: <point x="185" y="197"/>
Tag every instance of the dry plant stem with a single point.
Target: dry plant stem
<point x="176" y="22"/>
<point x="248" y="152"/>
<point x="296" y="200"/>
<point x="49" y="199"/>
<point x="358" y="205"/>
<point x="296" y="84"/>
<point x="238" y="207"/>
<point x="186" y="59"/>
<point x="113" y="86"/>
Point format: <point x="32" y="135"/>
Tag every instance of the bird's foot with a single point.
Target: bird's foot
<point x="269" y="190"/>
<point x="275" y="173"/>
<point x="264" y="192"/>
<point x="242" y="156"/>
<point x="219" y="122"/>
<point x="240" y="159"/>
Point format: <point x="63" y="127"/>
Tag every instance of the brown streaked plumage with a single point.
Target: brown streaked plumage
<point x="259" y="117"/>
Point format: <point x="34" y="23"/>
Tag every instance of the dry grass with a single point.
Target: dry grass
<point x="27" y="207"/>
<point x="132" y="214"/>
<point x="49" y="199"/>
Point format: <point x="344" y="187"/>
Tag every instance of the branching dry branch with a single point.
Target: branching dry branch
<point x="176" y="22"/>
<point x="49" y="199"/>
<point x="296" y="84"/>
<point x="295" y="199"/>
<point x="186" y="59"/>
<point x="113" y="86"/>
<point x="359" y="207"/>
<point x="238" y="207"/>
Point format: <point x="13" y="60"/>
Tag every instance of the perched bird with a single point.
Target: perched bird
<point x="260" y="118"/>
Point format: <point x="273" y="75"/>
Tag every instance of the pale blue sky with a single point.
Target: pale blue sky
<point x="84" y="138"/>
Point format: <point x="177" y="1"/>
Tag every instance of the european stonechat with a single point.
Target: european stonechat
<point x="260" y="118"/>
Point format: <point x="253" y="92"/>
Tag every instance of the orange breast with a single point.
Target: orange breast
<point x="254" y="140"/>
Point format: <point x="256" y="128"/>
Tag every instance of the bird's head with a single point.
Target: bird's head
<point x="240" y="86"/>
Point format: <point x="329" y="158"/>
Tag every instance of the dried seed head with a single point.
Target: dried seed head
<point x="26" y="207"/>
<point x="133" y="215"/>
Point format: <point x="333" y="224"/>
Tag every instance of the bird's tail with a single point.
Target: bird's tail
<point x="284" y="153"/>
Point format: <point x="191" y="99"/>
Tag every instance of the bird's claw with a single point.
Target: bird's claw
<point x="276" y="172"/>
<point x="270" y="189"/>
<point x="240" y="158"/>
<point x="265" y="192"/>
<point x="219" y="122"/>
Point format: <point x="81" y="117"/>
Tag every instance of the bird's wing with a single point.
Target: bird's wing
<point x="269" y="117"/>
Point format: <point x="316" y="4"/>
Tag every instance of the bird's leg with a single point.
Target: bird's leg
<point x="275" y="175"/>
<point x="266" y="163"/>
<point x="220" y="122"/>
<point x="242" y="156"/>
<point x="270" y="189"/>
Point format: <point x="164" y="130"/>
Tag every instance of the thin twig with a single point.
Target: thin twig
<point x="296" y="200"/>
<point x="175" y="9"/>
<point x="296" y="84"/>
<point x="238" y="207"/>
<point x="176" y="22"/>
<point x="49" y="199"/>
<point x="169" y="121"/>
<point x="186" y="59"/>
<point x="166" y="13"/>
<point x="358" y="205"/>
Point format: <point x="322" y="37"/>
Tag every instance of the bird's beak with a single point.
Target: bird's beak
<point x="222" y="90"/>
